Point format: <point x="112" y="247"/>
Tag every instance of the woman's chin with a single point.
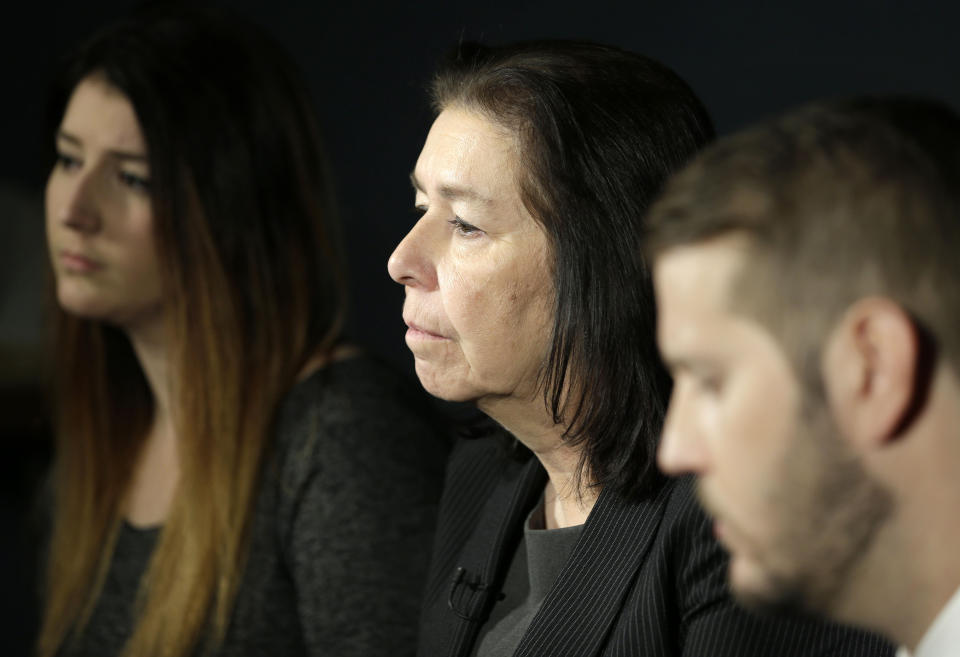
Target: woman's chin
<point x="442" y="385"/>
<point x="81" y="307"/>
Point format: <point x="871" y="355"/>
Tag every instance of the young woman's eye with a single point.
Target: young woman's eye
<point x="133" y="181"/>
<point x="67" y="162"/>
<point x="464" y="229"/>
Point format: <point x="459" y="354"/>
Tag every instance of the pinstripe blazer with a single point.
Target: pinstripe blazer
<point x="644" y="578"/>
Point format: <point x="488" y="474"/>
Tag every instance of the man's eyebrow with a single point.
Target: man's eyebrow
<point x="685" y="365"/>
<point x="454" y="192"/>
<point x="119" y="154"/>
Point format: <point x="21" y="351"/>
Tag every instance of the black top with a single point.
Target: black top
<point x="646" y="577"/>
<point x="341" y="528"/>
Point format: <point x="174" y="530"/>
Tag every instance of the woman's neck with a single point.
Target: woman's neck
<point x="149" y="344"/>
<point x="154" y="479"/>
<point x="568" y="499"/>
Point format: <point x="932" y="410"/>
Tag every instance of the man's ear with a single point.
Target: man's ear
<point x="870" y="369"/>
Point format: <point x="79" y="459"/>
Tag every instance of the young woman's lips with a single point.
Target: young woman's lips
<point x="78" y="263"/>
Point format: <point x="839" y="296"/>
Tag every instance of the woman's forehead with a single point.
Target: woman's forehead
<point x="468" y="156"/>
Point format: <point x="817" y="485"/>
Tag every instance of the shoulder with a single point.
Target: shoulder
<point x="360" y="391"/>
<point x="475" y="467"/>
<point x="357" y="425"/>
<point x="687" y="528"/>
<point x="710" y="621"/>
<point x="349" y="502"/>
<point x="361" y="406"/>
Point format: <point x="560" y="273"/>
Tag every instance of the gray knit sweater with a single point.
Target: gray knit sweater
<point x="341" y="530"/>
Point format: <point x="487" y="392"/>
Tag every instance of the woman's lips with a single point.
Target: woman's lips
<point x="77" y="263"/>
<point x="718" y="530"/>
<point x="418" y="333"/>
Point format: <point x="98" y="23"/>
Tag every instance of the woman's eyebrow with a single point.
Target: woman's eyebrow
<point x="453" y="192"/>
<point x="116" y="153"/>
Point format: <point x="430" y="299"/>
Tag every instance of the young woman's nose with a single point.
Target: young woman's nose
<point x="79" y="202"/>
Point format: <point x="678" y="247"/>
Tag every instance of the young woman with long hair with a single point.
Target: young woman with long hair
<point x="230" y="477"/>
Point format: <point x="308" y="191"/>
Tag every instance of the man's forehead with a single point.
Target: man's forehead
<point x="700" y="276"/>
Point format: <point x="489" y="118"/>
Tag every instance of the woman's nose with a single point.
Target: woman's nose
<point x="79" y="207"/>
<point x="412" y="262"/>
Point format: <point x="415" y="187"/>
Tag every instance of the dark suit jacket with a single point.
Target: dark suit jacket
<point x="645" y="578"/>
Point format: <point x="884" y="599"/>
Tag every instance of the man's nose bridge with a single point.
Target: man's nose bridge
<point x="679" y="440"/>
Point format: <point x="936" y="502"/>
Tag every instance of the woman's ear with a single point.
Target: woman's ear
<point x="869" y="366"/>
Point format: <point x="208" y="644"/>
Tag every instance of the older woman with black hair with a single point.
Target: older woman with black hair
<point x="526" y="294"/>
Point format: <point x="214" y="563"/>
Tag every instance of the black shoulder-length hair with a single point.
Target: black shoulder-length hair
<point x="600" y="129"/>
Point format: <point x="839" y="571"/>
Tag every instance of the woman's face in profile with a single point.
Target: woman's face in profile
<point x="475" y="267"/>
<point x="99" y="216"/>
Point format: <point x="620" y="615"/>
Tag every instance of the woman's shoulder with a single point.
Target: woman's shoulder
<point x="683" y="513"/>
<point x="356" y="395"/>
<point x="478" y="463"/>
<point x="357" y="417"/>
<point x="687" y="538"/>
<point x="344" y="388"/>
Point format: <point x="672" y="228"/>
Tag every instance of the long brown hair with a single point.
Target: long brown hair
<point x="253" y="288"/>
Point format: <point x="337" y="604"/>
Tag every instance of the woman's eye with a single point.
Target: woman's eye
<point x="464" y="229"/>
<point x="710" y="385"/>
<point x="65" y="161"/>
<point x="133" y="181"/>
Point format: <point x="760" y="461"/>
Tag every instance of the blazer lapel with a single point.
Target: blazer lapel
<point x="580" y="610"/>
<point x="485" y="556"/>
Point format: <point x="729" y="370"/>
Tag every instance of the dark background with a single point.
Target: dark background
<point x="368" y="64"/>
